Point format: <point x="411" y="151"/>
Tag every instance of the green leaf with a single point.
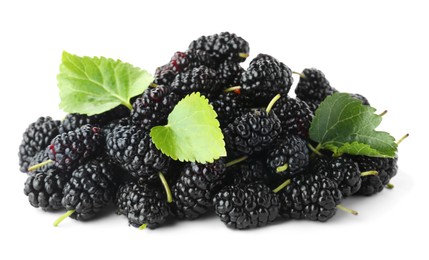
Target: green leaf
<point x="192" y="133"/>
<point x="95" y="85"/>
<point x="343" y="125"/>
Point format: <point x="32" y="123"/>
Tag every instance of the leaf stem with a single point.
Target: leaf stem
<point x="390" y="186"/>
<point x="368" y="173"/>
<point x="402" y="139"/>
<point x="272" y="102"/>
<point x="128" y="105"/>
<point x="314" y="150"/>
<point x="143" y="226"/>
<point x="37" y="166"/>
<point x="231" y="89"/>
<point x="351" y="211"/>
<point x="166" y="187"/>
<point x="61" y="218"/>
<point x="281" y="186"/>
<point x="238" y="160"/>
<point x="153" y="85"/>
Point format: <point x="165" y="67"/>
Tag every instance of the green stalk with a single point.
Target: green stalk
<point x="272" y="102"/>
<point x="243" y="55"/>
<point x="37" y="166"/>
<point x="166" y="187"/>
<point x="402" y="139"/>
<point x="61" y="218"/>
<point x="282" y="168"/>
<point x="231" y="89"/>
<point x="300" y="74"/>
<point x="314" y="150"/>
<point x="233" y="162"/>
<point x="281" y="186"/>
<point x="390" y="186"/>
<point x="383" y="113"/>
<point x="143" y="226"/>
<point x="368" y="173"/>
<point x="353" y="212"/>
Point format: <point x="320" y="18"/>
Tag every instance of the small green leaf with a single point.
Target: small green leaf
<point x="192" y="133"/>
<point x="343" y="125"/>
<point x="95" y="85"/>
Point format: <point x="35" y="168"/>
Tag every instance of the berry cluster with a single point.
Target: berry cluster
<point x="83" y="163"/>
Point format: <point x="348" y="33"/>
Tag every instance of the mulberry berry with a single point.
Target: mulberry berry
<point x="313" y="86"/>
<point x="153" y="107"/>
<point x="246" y="206"/>
<point x="295" y="116"/>
<point x="289" y="157"/>
<point x="252" y="132"/>
<point x="36" y="137"/>
<point x="45" y="189"/>
<point x="91" y="187"/>
<point x="142" y="204"/>
<point x="132" y="148"/>
<point x="194" y="190"/>
<point x="223" y="46"/>
<point x="201" y="79"/>
<point x="69" y="150"/>
<point x="264" y="78"/>
<point x="310" y="196"/>
<point x="343" y="171"/>
<point x="386" y="168"/>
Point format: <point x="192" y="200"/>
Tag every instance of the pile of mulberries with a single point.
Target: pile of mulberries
<point x="83" y="164"/>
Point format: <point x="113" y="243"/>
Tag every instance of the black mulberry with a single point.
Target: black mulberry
<point x="142" y="204"/>
<point x="36" y="137"/>
<point x="246" y="206"/>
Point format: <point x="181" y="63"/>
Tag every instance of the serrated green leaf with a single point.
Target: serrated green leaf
<point x="192" y="133"/>
<point x="354" y="148"/>
<point x="343" y="125"/>
<point x="92" y="85"/>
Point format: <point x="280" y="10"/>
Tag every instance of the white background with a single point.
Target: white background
<point x="376" y="48"/>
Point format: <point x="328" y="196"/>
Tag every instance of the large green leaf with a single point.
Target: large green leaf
<point x="343" y="124"/>
<point x="192" y="133"/>
<point x="92" y="85"/>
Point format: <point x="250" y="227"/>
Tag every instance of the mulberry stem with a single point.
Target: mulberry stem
<point x="281" y="186"/>
<point x="234" y="162"/>
<point x="383" y="113"/>
<point x="341" y="207"/>
<point x="231" y="89"/>
<point x="243" y="55"/>
<point x="166" y="187"/>
<point x="282" y="168"/>
<point x="300" y="74"/>
<point x="153" y="85"/>
<point x="37" y="166"/>
<point x="390" y="186"/>
<point x="402" y="139"/>
<point x="61" y="218"/>
<point x="272" y="102"/>
<point x="143" y="226"/>
<point x="368" y="173"/>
